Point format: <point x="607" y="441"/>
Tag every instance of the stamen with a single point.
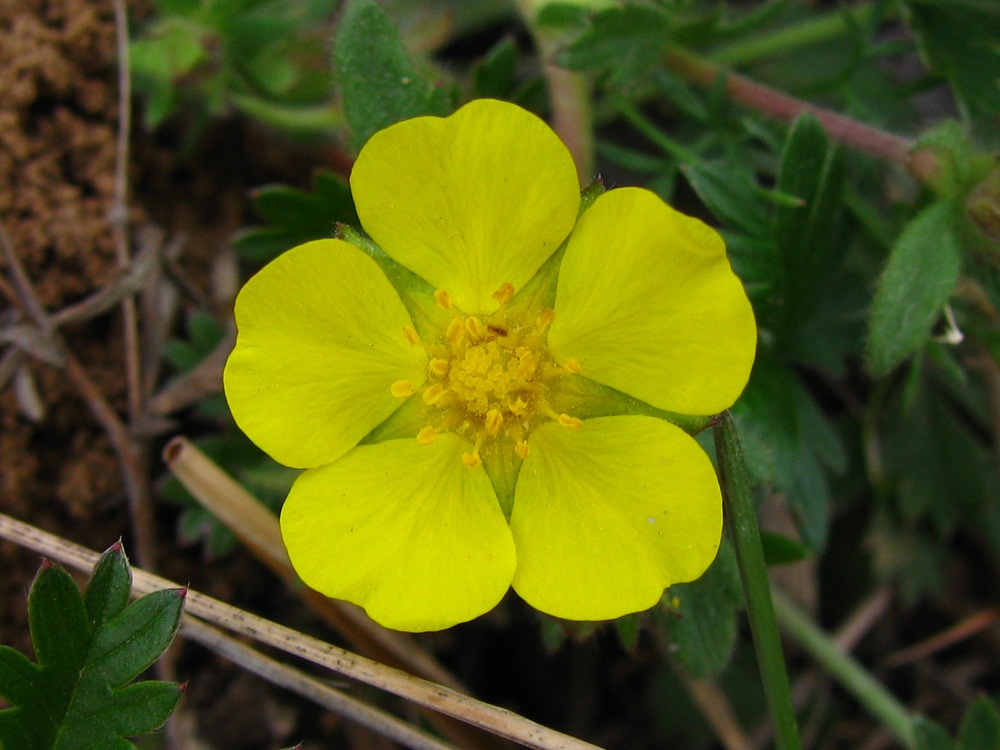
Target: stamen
<point x="410" y="335"/>
<point x="401" y="389"/>
<point x="504" y="293"/>
<point x="472" y="460"/>
<point x="443" y="299"/>
<point x="438" y="367"/>
<point x="433" y="394"/>
<point x="426" y="435"/>
<point x="544" y="319"/>
<point x="494" y="420"/>
<point x="474" y="327"/>
<point x="521" y="449"/>
<point x="571" y="365"/>
<point x="571" y="422"/>
<point x="455" y="332"/>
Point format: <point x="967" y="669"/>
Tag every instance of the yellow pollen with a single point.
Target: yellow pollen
<point x="455" y="332"/>
<point x="521" y="449"/>
<point x="544" y="319"/>
<point x="433" y="394"/>
<point x="438" y="367"/>
<point x="504" y="293"/>
<point x="401" y="389"/>
<point x="443" y="299"/>
<point x="426" y="435"/>
<point x="410" y="335"/>
<point x="571" y="365"/>
<point x="472" y="459"/>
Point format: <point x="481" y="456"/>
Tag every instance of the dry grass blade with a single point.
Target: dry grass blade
<point x="494" y="719"/>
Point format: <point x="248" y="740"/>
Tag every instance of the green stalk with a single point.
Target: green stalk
<point x="742" y="517"/>
<point x="792" y="38"/>
<point x="846" y="670"/>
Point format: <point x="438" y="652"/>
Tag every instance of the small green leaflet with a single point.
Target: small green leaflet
<point x="922" y="271"/>
<point x="379" y="84"/>
<point x="89" y="648"/>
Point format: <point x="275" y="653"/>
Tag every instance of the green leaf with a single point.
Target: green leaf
<point x="378" y="82"/>
<point x="980" y="726"/>
<point x="623" y="43"/>
<point x="930" y="735"/>
<point x="700" y="617"/>
<point x="494" y="77"/>
<point x="812" y="171"/>
<point x="958" y="40"/>
<point x="731" y="194"/>
<point x="781" y="550"/>
<point x="919" y="277"/>
<point x="88" y="647"/>
<point x="791" y="444"/>
<point x="296" y="216"/>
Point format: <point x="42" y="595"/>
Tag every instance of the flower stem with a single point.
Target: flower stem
<point x="846" y="670"/>
<point x="921" y="163"/>
<point x="750" y="558"/>
<point x="806" y="33"/>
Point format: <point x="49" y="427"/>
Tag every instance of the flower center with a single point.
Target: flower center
<point x="486" y="379"/>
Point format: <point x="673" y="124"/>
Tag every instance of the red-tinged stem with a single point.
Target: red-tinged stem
<point x="922" y="164"/>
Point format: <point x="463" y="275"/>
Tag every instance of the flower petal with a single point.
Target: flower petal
<point x="406" y="531"/>
<point x="648" y="304"/>
<point x="320" y="343"/>
<point x="607" y="516"/>
<point x="468" y="202"/>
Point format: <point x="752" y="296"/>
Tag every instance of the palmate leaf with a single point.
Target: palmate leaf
<point x="89" y="648"/>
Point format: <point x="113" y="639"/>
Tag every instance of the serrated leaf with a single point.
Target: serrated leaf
<point x="623" y="43"/>
<point x="731" y="194"/>
<point x="812" y="171"/>
<point x="980" y="726"/>
<point x="919" y="277"/>
<point x="378" y="82"/>
<point x="701" y="616"/>
<point x="108" y="590"/>
<point x="88" y="648"/>
<point x="791" y="444"/>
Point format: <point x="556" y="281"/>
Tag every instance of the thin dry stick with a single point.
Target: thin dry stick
<point x="493" y="719"/>
<point x="715" y="707"/>
<point x="134" y="478"/>
<point x="310" y="688"/>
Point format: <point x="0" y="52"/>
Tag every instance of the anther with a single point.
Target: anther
<point x="473" y="326"/>
<point x="438" y="367"/>
<point x="494" y="420"/>
<point x="426" y="435"/>
<point x="571" y="422"/>
<point x="443" y="299"/>
<point x="521" y="449"/>
<point x="401" y="389"/>
<point x="410" y="335"/>
<point x="433" y="394"/>
<point x="504" y="293"/>
<point x="471" y="459"/>
<point x="455" y="332"/>
<point x="571" y="365"/>
<point x="544" y="319"/>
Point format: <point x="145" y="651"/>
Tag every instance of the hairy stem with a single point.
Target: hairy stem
<point x="742" y="519"/>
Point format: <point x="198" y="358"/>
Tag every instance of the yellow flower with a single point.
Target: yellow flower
<point x="473" y="396"/>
